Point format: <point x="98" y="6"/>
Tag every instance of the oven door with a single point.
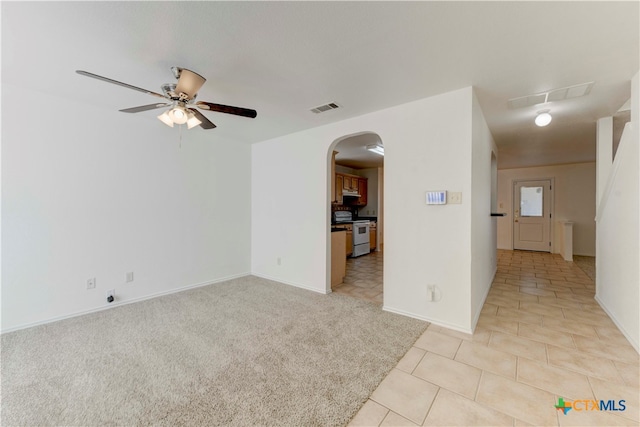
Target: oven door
<point x="360" y="233"/>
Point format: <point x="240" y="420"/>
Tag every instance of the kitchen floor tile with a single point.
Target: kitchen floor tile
<point x="436" y="342"/>
<point x="621" y="353"/>
<point x="517" y="400"/>
<point x="394" y="420"/>
<point x="563" y="325"/>
<point x="630" y="373"/>
<point x="558" y="381"/>
<point x="371" y="414"/>
<point x="518" y="346"/>
<point x="446" y="373"/>
<point x="411" y="359"/>
<point x="605" y="390"/>
<point x="451" y="409"/>
<point x="516" y="315"/>
<point x="546" y="335"/>
<point x="500" y="324"/>
<point x="405" y="395"/>
<point x="487" y="359"/>
<point x="583" y="363"/>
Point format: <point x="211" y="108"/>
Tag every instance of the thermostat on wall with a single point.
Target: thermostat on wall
<point x="436" y="197"/>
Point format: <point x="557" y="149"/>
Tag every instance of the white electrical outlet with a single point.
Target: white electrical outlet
<point x="91" y="283"/>
<point x="130" y="276"/>
<point x="279" y="261"/>
<point x="431" y="293"/>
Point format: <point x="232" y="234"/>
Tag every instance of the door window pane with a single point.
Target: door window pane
<point x="530" y="201"/>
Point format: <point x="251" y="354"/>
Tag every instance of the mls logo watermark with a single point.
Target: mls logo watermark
<point x="589" y="405"/>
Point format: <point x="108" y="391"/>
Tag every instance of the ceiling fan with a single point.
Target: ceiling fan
<point x="180" y="98"/>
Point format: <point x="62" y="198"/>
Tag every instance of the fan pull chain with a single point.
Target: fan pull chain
<point x="180" y="136"/>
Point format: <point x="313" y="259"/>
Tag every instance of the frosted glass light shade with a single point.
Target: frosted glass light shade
<point x="193" y="121"/>
<point x="178" y="115"/>
<point x="543" y="119"/>
<point x="166" y="119"/>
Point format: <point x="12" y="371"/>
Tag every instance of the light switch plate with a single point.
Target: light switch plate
<point x="455" y="197"/>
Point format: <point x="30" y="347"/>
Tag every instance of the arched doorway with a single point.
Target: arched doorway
<point x="356" y="171"/>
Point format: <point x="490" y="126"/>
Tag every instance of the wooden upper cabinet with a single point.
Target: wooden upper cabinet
<point x="344" y="182"/>
<point x="347" y="183"/>
<point x="338" y="188"/>
<point x="362" y="190"/>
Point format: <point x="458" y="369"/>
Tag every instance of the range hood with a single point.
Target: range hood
<point x="349" y="193"/>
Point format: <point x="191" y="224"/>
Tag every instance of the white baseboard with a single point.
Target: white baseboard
<point x="121" y="303"/>
<point x="632" y="340"/>
<point x="296" y="285"/>
<point x="427" y="319"/>
<point x="475" y="319"/>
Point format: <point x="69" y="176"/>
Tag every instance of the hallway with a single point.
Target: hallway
<point x="541" y="336"/>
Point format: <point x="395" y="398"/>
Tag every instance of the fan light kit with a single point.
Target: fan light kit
<point x="543" y="118"/>
<point x="181" y="97"/>
<point x="179" y="115"/>
<point x="376" y="148"/>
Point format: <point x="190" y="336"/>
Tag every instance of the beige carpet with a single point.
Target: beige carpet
<point x="244" y="352"/>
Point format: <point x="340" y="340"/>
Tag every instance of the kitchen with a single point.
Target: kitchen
<point x="356" y="217"/>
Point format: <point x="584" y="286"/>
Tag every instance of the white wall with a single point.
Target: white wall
<point x="574" y="193"/>
<point x="618" y="259"/>
<point x="427" y="147"/>
<point x="105" y="193"/>
<point x="483" y="226"/>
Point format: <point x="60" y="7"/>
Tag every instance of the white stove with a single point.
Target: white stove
<point x="361" y="245"/>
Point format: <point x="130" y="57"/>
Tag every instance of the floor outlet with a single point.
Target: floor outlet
<point x="91" y="283"/>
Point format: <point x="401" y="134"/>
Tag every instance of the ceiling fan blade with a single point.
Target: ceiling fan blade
<point x="205" y="123"/>
<point x="145" y="108"/>
<point x="115" y="82"/>
<point x="189" y="83"/>
<point x="238" y="111"/>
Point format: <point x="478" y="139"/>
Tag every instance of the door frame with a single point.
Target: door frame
<point x="552" y="221"/>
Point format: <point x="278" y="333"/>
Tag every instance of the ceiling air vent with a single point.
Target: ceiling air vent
<point x="325" y="107"/>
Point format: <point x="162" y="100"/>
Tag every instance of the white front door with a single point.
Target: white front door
<point x="532" y="215"/>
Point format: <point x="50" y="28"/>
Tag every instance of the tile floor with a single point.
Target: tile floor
<point x="540" y="336"/>
<point x="364" y="278"/>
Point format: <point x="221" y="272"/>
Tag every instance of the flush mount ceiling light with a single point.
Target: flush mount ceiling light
<point x="543" y="118"/>
<point x="376" y="148"/>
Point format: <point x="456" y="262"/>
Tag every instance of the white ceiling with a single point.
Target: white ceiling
<point x="283" y="58"/>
